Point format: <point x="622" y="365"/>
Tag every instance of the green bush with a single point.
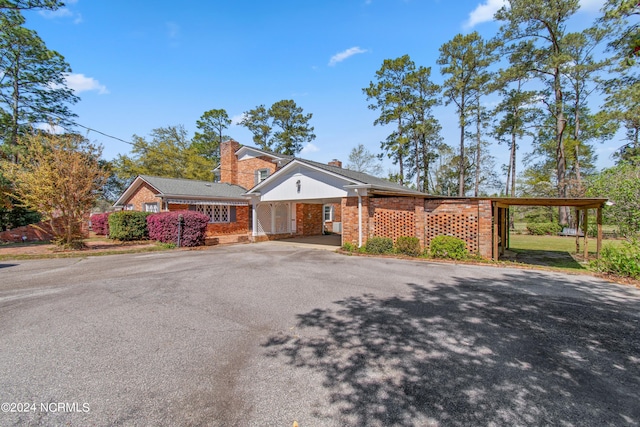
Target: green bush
<point x="543" y="228"/>
<point x="128" y="225"/>
<point x="448" y="247"/>
<point x="622" y="261"/>
<point x="408" y="246"/>
<point x="379" y="245"/>
<point x="349" y="247"/>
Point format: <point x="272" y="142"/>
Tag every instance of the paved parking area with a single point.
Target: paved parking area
<point x="265" y="334"/>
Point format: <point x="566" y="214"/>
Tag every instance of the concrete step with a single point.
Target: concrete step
<point x="226" y="239"/>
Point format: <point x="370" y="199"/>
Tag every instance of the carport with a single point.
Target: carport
<point x="582" y="206"/>
<point x="291" y="201"/>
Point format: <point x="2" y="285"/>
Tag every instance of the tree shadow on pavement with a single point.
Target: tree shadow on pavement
<point x="519" y="351"/>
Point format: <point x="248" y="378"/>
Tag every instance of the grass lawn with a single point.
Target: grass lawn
<point x="554" y="251"/>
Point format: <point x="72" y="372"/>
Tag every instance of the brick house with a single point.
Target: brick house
<point x="274" y="196"/>
<point x="224" y="204"/>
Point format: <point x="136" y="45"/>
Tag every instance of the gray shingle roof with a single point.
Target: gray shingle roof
<point x="361" y="177"/>
<point x="193" y="188"/>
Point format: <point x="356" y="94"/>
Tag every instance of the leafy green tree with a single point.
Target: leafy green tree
<point x="620" y="23"/>
<point x="423" y="129"/>
<point x="363" y="160"/>
<point x="515" y="113"/>
<point x="293" y="128"/>
<point x="465" y="60"/>
<point x="32" y="83"/>
<point x="59" y="176"/>
<point x="114" y="185"/>
<point x="391" y="95"/>
<point x="168" y="154"/>
<point x="580" y="74"/>
<point x="258" y="123"/>
<point x="30" y="4"/>
<point x="623" y="106"/>
<point x="212" y="125"/>
<point x="282" y="128"/>
<point x="621" y="185"/>
<point x="538" y="32"/>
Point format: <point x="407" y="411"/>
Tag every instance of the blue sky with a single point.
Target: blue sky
<point x="139" y="65"/>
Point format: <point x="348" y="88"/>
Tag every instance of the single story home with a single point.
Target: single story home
<point x="223" y="203"/>
<point x="266" y="195"/>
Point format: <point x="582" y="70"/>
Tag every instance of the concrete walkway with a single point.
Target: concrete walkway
<point x="329" y="242"/>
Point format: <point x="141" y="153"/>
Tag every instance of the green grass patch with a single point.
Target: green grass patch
<point x="554" y="243"/>
<point x="552" y="251"/>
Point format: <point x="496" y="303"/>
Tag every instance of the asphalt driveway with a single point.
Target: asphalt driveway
<point x="265" y="334"/>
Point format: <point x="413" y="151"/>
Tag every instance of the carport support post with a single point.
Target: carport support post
<point x="359" y="218"/>
<point x="577" y="231"/>
<point x="585" y="225"/>
<point x="495" y="230"/>
<point x="599" y="241"/>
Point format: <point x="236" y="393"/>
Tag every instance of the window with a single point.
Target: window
<point x="128" y="207"/>
<point x="215" y="213"/>
<point x="261" y="175"/>
<point x="151" y="207"/>
<point x="328" y="213"/>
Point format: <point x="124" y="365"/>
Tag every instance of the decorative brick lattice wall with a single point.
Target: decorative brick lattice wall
<point x="463" y="226"/>
<point x="393" y="217"/>
<point x="466" y="219"/>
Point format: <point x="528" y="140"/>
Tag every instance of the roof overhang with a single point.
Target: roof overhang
<point x="254" y="152"/>
<point x="292" y="164"/>
<point x="186" y="200"/>
<point x="582" y="203"/>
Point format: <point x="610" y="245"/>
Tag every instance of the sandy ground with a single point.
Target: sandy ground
<point x="93" y="246"/>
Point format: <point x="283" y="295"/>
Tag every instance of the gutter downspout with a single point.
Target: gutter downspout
<point x="359" y="218"/>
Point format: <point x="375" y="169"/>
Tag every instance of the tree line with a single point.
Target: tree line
<point x="543" y="75"/>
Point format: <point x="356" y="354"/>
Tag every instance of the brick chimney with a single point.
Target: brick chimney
<point x="336" y="163"/>
<point x="229" y="161"/>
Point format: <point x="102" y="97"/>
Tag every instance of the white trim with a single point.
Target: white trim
<point x="324" y="212"/>
<point x="293" y="164"/>
<point x="254" y="152"/>
<point x="206" y="202"/>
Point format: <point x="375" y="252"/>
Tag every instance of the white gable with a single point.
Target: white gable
<point x="301" y="182"/>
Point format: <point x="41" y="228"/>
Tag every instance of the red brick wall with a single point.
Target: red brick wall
<point x="37" y="232"/>
<point x="144" y="194"/>
<point x="350" y="220"/>
<point x="247" y="168"/>
<point x="229" y="162"/>
<point x="393" y="216"/>
<point x="309" y="220"/>
<point x="239" y="227"/>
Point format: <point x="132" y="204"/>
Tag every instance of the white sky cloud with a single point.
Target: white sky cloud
<point x="63" y="12"/>
<point x="58" y="13"/>
<point x="55" y="129"/>
<point x="591" y="5"/>
<point x="81" y="83"/>
<point x="235" y="120"/>
<point x="483" y="12"/>
<point x="339" y="57"/>
<point x="309" y="148"/>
